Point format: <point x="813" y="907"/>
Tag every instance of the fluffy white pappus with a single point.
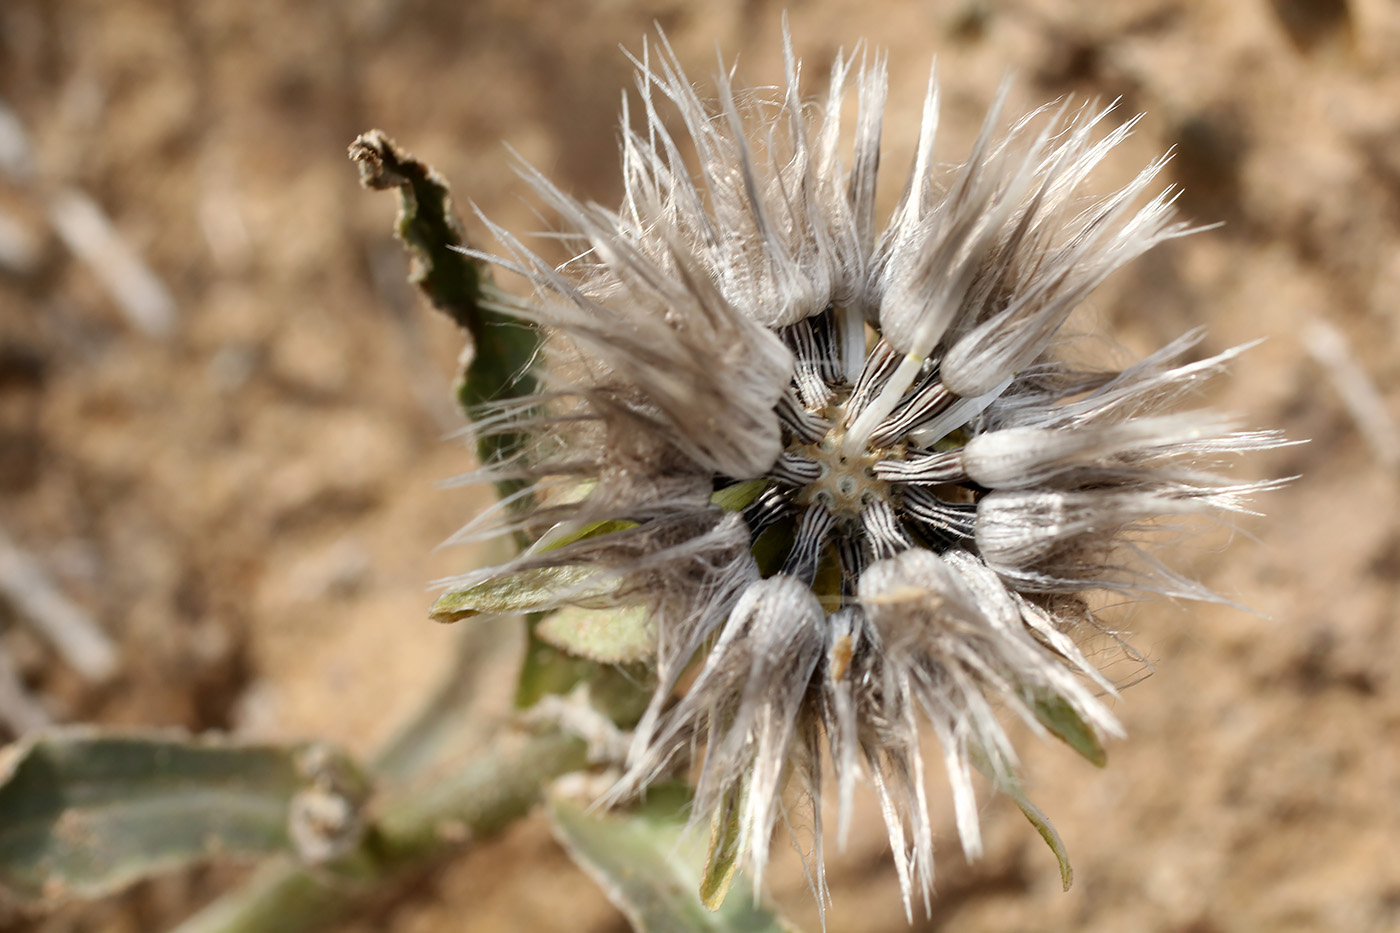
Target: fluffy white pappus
<point x="844" y="469"/>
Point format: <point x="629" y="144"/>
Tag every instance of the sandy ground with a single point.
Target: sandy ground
<point x="250" y="503"/>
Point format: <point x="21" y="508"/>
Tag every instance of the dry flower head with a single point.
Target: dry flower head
<point x="843" y="466"/>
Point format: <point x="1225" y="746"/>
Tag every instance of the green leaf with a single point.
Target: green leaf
<point x="1004" y="780"/>
<point x="608" y="636"/>
<point x="650" y="869"/>
<point x="739" y="496"/>
<point x="1047" y="831"/>
<point x="499" y="364"/>
<point x="84" y="813"/>
<point x="773" y="545"/>
<point x="722" y="859"/>
<point x="571" y="532"/>
<point x="622" y="692"/>
<point x="1057" y="715"/>
<point x="533" y="590"/>
<point x="547" y="671"/>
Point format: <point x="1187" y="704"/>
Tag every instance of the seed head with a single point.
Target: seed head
<point x="844" y="468"/>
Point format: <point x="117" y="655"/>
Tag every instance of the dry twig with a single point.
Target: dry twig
<point x="72" y="632"/>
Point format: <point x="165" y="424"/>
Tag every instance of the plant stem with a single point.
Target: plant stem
<point x="415" y="826"/>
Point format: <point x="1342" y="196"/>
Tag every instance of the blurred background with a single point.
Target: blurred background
<point x="224" y="416"/>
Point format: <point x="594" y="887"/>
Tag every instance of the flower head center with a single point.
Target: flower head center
<point x="847" y="482"/>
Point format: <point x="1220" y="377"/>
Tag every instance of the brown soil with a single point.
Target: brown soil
<point x="250" y="505"/>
